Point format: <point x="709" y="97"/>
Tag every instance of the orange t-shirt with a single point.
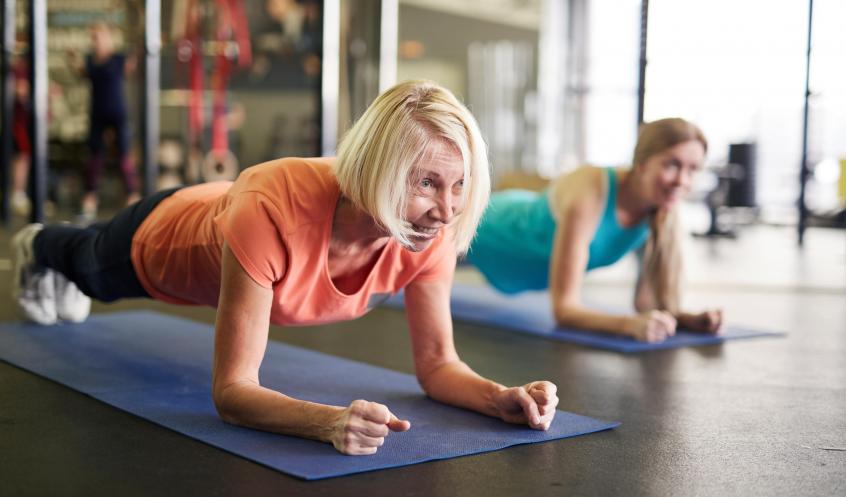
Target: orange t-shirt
<point x="277" y="220"/>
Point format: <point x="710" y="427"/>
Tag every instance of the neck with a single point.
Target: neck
<point x="630" y="196"/>
<point x="102" y="54"/>
<point x="354" y="229"/>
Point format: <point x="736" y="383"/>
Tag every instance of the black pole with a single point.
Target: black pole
<point x="803" y="167"/>
<point x="7" y="101"/>
<point x="641" y="78"/>
<point x="38" y="123"/>
<point x="150" y="94"/>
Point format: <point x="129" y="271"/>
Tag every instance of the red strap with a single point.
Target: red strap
<point x="220" y="79"/>
<point x="220" y="131"/>
<point x="231" y="26"/>
<point x="195" y="72"/>
<point x="241" y="32"/>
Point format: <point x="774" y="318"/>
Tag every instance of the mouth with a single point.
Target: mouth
<point x="673" y="195"/>
<point x="423" y="232"/>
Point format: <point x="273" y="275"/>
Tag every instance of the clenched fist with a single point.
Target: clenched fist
<point x="532" y="404"/>
<point x="653" y="326"/>
<point x="710" y="321"/>
<point x="362" y="427"/>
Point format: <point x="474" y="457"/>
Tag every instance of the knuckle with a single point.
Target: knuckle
<point x="357" y="407"/>
<point x="381" y="413"/>
<point x="348" y="439"/>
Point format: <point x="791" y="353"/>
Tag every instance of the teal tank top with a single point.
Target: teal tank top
<point x="513" y="244"/>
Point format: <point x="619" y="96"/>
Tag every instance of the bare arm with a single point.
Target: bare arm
<point x="445" y="378"/>
<point x="577" y="224"/>
<point x="243" y="318"/>
<point x="569" y="263"/>
<point x="644" y="297"/>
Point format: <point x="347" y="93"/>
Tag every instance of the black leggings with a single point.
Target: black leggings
<point x="97" y="161"/>
<point x="98" y="258"/>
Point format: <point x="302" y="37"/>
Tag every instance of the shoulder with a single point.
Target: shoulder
<point x="300" y="188"/>
<point x="304" y="174"/>
<point x="580" y="192"/>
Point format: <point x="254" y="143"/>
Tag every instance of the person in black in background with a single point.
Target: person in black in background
<point x="105" y="69"/>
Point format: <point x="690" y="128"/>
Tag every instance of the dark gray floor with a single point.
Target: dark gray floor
<point x="746" y="418"/>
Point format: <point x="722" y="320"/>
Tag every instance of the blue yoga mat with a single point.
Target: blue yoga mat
<point x="531" y="313"/>
<point x="159" y="368"/>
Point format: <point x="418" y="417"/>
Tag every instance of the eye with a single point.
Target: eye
<point x="672" y="164"/>
<point x="426" y="183"/>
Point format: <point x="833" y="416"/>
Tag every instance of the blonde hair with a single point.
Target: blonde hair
<point x="662" y="261"/>
<point x="404" y="126"/>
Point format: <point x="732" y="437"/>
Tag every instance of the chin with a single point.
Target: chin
<point x="418" y="245"/>
<point x="670" y="201"/>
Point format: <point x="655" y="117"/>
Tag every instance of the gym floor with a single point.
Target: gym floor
<point x="755" y="417"/>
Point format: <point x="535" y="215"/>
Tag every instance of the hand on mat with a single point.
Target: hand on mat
<point x="533" y="404"/>
<point x="363" y="426"/>
<point x="654" y="326"/>
<point x="710" y="321"/>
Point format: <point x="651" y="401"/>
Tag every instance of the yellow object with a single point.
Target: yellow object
<point x="841" y="187"/>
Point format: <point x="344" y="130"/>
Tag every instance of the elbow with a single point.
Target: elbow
<point x="427" y="378"/>
<point x="564" y="314"/>
<point x="425" y="382"/>
<point x="225" y="404"/>
<point x="424" y="385"/>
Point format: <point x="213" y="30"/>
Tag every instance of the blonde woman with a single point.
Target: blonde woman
<point x="304" y="241"/>
<point x="590" y="218"/>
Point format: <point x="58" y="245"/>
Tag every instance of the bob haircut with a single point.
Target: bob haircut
<point x="379" y="156"/>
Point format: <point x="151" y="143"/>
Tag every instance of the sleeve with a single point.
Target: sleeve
<point x="253" y="229"/>
<point x="441" y="264"/>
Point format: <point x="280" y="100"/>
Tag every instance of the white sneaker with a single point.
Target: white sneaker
<point x="71" y="304"/>
<point x="20" y="204"/>
<point x="33" y="289"/>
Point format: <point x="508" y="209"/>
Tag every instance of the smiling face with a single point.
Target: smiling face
<point x="436" y="196"/>
<point x="667" y="175"/>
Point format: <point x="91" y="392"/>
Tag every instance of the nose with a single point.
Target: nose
<point x="684" y="178"/>
<point x="445" y="207"/>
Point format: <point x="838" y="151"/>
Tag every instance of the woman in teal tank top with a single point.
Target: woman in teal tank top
<point x="591" y="218"/>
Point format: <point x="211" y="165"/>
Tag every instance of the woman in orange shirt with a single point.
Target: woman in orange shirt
<point x="303" y="241"/>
